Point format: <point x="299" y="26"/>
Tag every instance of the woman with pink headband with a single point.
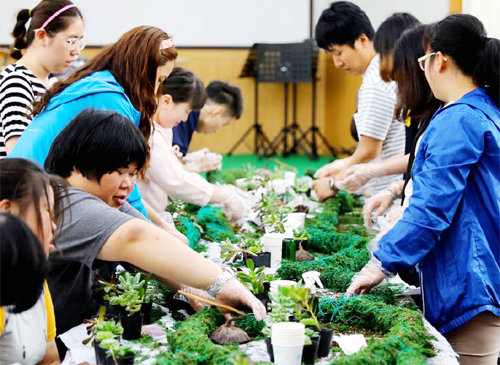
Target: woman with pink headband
<point x="51" y="41"/>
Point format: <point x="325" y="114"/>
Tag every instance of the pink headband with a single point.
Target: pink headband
<point x="56" y="14"/>
<point x="167" y="43"/>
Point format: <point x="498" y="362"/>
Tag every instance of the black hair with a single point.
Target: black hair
<point x="185" y="87"/>
<point x="220" y="92"/>
<point x="24" y="265"/>
<point x="24" y="183"/>
<point x="97" y="142"/>
<point x="39" y="14"/>
<point x="342" y="23"/>
<point x="387" y="35"/>
<point x="415" y="97"/>
<point x="462" y="38"/>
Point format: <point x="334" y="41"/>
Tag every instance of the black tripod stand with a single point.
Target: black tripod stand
<point x="261" y="142"/>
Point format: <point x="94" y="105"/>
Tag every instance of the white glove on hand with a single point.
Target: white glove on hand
<point x="202" y="161"/>
<point x="234" y="293"/>
<point x="369" y="276"/>
<point x="231" y="204"/>
<point x="331" y="169"/>
<point x="380" y="202"/>
<point x="196" y="305"/>
<point x="357" y="176"/>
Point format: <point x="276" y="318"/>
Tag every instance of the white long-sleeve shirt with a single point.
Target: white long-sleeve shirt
<point x="166" y="175"/>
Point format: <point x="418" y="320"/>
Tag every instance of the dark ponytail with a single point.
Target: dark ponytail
<point x="184" y="87"/>
<point x="462" y="37"/>
<point x="486" y="73"/>
<point x="39" y="14"/>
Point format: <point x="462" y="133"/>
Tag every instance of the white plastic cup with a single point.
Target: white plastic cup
<point x="272" y="242"/>
<point x="288" y="355"/>
<point x="295" y="220"/>
<point x="288" y="341"/>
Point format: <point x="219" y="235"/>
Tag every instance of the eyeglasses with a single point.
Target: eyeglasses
<point x="74" y="43"/>
<point x="421" y="60"/>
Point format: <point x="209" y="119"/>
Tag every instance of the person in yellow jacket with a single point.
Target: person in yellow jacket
<point x="27" y="323"/>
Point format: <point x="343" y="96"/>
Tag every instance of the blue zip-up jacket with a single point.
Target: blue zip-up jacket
<point x="451" y="226"/>
<point x="99" y="90"/>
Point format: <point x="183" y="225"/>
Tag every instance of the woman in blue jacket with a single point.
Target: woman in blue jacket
<point x="451" y="226"/>
<point x="121" y="78"/>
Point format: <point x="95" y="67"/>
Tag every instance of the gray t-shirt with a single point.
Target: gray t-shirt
<point x="87" y="225"/>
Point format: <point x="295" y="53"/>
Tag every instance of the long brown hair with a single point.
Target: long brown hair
<point x="415" y="98"/>
<point x="133" y="60"/>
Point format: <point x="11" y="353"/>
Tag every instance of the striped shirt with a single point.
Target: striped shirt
<point x="375" y="118"/>
<point x="19" y="87"/>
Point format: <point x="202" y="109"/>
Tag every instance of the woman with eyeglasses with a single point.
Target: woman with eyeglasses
<point x="51" y="42"/>
<point x="451" y="227"/>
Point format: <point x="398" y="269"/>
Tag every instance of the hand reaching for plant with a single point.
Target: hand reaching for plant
<point x="369" y="276"/>
<point x="195" y="304"/>
<point x="233" y="293"/>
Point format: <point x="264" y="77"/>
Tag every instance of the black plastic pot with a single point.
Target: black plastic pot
<point x="325" y="342"/>
<point x="262" y="259"/>
<point x="125" y="360"/>
<point x="114" y="311"/>
<point x="146" y="310"/>
<point x="132" y="325"/>
<point x="269" y="348"/>
<point x="310" y="352"/>
<point x="100" y="355"/>
<point x="263" y="297"/>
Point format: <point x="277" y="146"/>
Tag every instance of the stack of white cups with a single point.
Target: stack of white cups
<point x="272" y="242"/>
<point x="287" y="339"/>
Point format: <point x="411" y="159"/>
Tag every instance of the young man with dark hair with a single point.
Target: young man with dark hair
<point x="346" y="33"/>
<point x="224" y="104"/>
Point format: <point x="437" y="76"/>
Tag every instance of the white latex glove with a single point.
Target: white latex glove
<point x="331" y="169"/>
<point x="231" y="204"/>
<point x="357" y="176"/>
<point x="196" y="305"/>
<point x="234" y="293"/>
<point x="369" y="276"/>
<point x="202" y="161"/>
<point x="380" y="203"/>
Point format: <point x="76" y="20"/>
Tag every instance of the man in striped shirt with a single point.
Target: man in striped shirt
<point x="345" y="31"/>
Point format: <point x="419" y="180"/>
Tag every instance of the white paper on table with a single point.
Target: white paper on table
<point x="73" y="338"/>
<point x="350" y="344"/>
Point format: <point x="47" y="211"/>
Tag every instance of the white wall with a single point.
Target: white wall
<point x="487" y="11"/>
<point x="222" y="23"/>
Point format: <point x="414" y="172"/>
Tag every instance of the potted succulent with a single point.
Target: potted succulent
<point x="117" y="353"/>
<point x="305" y="308"/>
<point x="254" y="245"/>
<point x="107" y="290"/>
<point x="103" y="332"/>
<point x="282" y="305"/>
<point x="254" y="280"/>
<point x="131" y="297"/>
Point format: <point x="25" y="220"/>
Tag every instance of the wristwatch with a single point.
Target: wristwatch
<point x="331" y="184"/>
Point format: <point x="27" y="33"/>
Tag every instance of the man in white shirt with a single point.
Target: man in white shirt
<point x="345" y="31"/>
